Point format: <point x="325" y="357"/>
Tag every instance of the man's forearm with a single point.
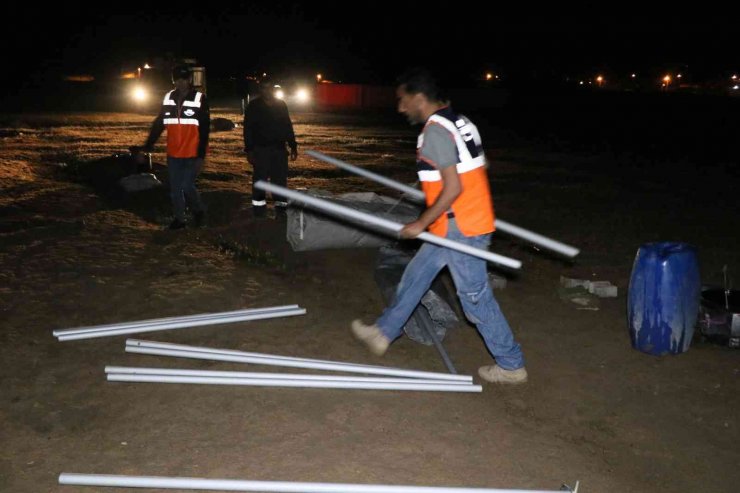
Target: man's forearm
<point x="154" y="133"/>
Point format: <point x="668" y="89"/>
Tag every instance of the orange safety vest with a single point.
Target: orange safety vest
<point x="182" y="125"/>
<point x="473" y="209"/>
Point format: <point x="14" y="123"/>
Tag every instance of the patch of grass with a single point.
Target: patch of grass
<point x="250" y="254"/>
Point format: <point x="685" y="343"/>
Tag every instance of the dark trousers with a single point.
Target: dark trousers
<point x="182" y="175"/>
<point x="270" y="164"/>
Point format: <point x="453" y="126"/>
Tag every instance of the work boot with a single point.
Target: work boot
<point x="496" y="374"/>
<point x="177" y="224"/>
<point x="199" y="219"/>
<point x="372" y="336"/>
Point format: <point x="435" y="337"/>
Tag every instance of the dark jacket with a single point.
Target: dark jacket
<point x="267" y="124"/>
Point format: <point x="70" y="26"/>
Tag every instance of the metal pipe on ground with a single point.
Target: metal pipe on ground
<point x="127" y="370"/>
<point x="182" y="324"/>
<point x="313" y="365"/>
<point x="266" y="486"/>
<point x="166" y="320"/>
<point x="418" y="196"/>
<point x="202" y="349"/>
<point x="273" y="382"/>
<point x="384" y="225"/>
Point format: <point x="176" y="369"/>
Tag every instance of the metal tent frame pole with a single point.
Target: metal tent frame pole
<point x="96" y="332"/>
<point x="384" y="225"/>
<point x="418" y="196"/>
<point x="178" y="350"/>
<point x="267" y="486"/>
<point x="167" y="320"/>
<point x="128" y="370"/>
<point x="274" y="382"/>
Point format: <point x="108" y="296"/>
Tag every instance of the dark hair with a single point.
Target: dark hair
<point x="421" y="80"/>
<point x="181" y="72"/>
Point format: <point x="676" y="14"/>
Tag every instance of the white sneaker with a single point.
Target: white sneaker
<point x="372" y="336"/>
<point x="496" y="374"/>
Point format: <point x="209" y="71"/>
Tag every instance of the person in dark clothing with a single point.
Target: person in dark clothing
<point x="186" y="116"/>
<point x="267" y="131"/>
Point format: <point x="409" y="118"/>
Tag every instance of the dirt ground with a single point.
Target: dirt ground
<point x="75" y="252"/>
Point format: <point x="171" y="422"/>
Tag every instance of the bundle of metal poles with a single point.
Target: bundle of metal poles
<point x="259" y="379"/>
<point x="204" y="353"/>
<point x="267" y="486"/>
<point x="178" y="322"/>
<point x="418" y="196"/>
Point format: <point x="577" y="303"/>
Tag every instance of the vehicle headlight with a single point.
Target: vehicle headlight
<point x="279" y="94"/>
<point x="302" y="95"/>
<point x="139" y="94"/>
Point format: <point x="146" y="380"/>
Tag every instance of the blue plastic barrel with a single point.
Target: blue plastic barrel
<point x="664" y="297"/>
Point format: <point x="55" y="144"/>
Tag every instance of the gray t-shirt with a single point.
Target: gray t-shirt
<point x="439" y="148"/>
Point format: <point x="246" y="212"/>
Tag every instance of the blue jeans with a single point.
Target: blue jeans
<point x="473" y="289"/>
<point x="182" y="174"/>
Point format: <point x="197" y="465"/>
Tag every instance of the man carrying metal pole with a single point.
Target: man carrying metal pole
<point x="452" y="169"/>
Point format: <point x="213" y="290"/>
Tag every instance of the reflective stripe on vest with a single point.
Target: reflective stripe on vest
<point x="435" y="175"/>
<point x="473" y="209"/>
<point x="168" y="101"/>
<point x="181" y="121"/>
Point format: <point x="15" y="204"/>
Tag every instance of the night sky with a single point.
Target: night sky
<point x="365" y="41"/>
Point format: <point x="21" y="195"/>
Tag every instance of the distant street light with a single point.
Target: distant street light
<point x="489" y="76"/>
<point x="600" y="80"/>
<point x="318" y="77"/>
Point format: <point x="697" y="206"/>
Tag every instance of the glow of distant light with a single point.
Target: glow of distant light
<point x="139" y="94"/>
<point x="302" y="95"/>
<point x="634" y="75"/>
<point x="319" y="77"/>
<point x="279" y="94"/>
<point x="489" y="76"/>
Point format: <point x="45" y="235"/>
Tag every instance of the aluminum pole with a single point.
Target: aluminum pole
<point x="201" y="349"/>
<point x="384" y="224"/>
<point x="392" y="372"/>
<point x="265" y="486"/>
<point x="418" y="196"/>
<point x="127" y="370"/>
<point x="182" y="324"/>
<point x="273" y="382"/>
<point x="157" y="321"/>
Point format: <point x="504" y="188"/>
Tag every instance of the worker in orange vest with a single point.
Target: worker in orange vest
<point x="452" y="170"/>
